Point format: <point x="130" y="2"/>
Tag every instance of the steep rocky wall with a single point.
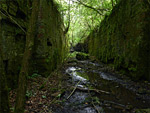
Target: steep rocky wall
<point x="50" y="41"/>
<point x="123" y="38"/>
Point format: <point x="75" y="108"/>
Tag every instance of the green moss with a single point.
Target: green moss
<point x="123" y="38"/>
<point x="142" y="111"/>
<point x="50" y="42"/>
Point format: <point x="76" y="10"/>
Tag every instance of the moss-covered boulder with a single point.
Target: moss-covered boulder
<point x="81" y="47"/>
<point x="123" y="38"/>
<point x="50" y="41"/>
<point x="82" y="56"/>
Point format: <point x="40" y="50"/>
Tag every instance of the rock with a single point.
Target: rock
<point x="123" y="38"/>
<point x="81" y="47"/>
<point x="82" y="56"/>
<point x="49" y="48"/>
<point x="142" y="111"/>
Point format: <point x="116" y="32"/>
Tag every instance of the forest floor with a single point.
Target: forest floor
<point x="85" y="86"/>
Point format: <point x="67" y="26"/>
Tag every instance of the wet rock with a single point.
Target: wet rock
<point x="80" y="47"/>
<point x="122" y="95"/>
<point x="82" y="56"/>
<point x="142" y="111"/>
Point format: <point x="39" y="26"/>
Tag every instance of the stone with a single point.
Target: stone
<point x="50" y="42"/>
<point x="122" y="38"/>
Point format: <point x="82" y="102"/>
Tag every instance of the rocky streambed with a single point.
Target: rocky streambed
<point x="91" y="88"/>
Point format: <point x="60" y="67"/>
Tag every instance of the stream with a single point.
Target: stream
<point x="97" y="91"/>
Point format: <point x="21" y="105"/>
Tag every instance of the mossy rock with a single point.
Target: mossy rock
<point x="82" y="56"/>
<point x="143" y="110"/>
<point x="123" y="39"/>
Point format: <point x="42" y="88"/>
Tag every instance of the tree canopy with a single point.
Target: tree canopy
<point x="83" y="16"/>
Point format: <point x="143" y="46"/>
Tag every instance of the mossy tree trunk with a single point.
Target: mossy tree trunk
<point x="4" y="100"/>
<point x="22" y="83"/>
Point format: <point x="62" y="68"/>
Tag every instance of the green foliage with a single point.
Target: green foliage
<point x="12" y="109"/>
<point x="59" y="95"/>
<point x="4" y="6"/>
<point x="71" y="55"/>
<point x="43" y="96"/>
<point x="29" y="93"/>
<point x="82" y="56"/>
<point x="34" y="75"/>
<point x="42" y="86"/>
<point x="84" y="16"/>
<point x="132" y="69"/>
<point x="96" y="100"/>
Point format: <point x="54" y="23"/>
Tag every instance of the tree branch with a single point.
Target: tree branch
<point x="112" y="2"/>
<point x="96" y="10"/>
<point x="8" y="16"/>
<point x="67" y="29"/>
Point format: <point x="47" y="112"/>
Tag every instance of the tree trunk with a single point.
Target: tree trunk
<point x="4" y="100"/>
<point x="112" y="2"/>
<point x="22" y="83"/>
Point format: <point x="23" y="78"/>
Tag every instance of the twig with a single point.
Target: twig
<point x="73" y="90"/>
<point x="13" y="21"/>
<point x="113" y="103"/>
<point x="98" y="91"/>
<point x="95" y="106"/>
<point x="92" y="101"/>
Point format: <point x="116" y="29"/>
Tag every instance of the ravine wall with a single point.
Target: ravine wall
<point x="123" y="38"/>
<point x="50" y="41"/>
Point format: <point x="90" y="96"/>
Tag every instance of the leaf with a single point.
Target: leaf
<point x="43" y="96"/>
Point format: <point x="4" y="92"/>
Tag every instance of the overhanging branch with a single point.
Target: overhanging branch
<point x="99" y="11"/>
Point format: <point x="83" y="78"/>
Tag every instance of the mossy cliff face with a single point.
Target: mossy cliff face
<point x="50" y="41"/>
<point x="123" y="38"/>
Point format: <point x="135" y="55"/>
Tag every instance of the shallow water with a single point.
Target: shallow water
<point x="120" y="98"/>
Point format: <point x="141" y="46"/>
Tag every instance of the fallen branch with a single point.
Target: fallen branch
<point x="73" y="90"/>
<point x="117" y="104"/>
<point x="95" y="90"/>
<point x="93" y="102"/>
<point x="95" y="106"/>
